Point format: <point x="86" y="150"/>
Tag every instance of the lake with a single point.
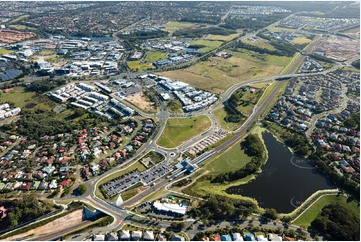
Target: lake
<point x="286" y="180"/>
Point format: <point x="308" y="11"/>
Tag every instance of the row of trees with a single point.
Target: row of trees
<point x="260" y="50"/>
<point x="197" y="17"/>
<point x="199" y="32"/>
<point x="251" y="23"/>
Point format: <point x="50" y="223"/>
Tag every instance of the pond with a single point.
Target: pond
<point x="286" y="180"/>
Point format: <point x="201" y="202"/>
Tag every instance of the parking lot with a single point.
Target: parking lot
<point x="122" y="183"/>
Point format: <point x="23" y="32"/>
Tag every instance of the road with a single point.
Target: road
<point x="121" y="215"/>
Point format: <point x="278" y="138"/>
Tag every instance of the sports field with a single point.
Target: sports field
<point x="179" y="130"/>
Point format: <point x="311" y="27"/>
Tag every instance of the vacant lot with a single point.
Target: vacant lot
<point x="155" y="56"/>
<point x="5" y="51"/>
<point x="138" y="66"/>
<point x="217" y="74"/>
<point x="140" y="100"/>
<point x="261" y="43"/>
<point x="220" y="115"/>
<point x="311" y="214"/>
<point x="175" y="25"/>
<point x="301" y="40"/>
<point x="27" y="100"/>
<point x="222" y="37"/>
<point x="208" y="44"/>
<point x="179" y="130"/>
<point x="66" y="222"/>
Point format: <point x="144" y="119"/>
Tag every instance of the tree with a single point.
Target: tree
<point x="270" y="213"/>
<point x="81" y="189"/>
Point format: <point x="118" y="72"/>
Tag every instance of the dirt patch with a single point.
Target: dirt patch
<point x="140" y="100"/>
<point x="67" y="222"/>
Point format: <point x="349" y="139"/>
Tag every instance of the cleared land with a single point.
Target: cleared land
<point x="307" y="217"/>
<point x="208" y="44"/>
<point x="301" y="40"/>
<point x="217" y="74"/>
<point x="179" y="130"/>
<point x="279" y="29"/>
<point x="222" y="37"/>
<point x="261" y="43"/>
<point x="67" y="222"/>
<point x="20" y="27"/>
<point x="139" y="100"/>
<point x="175" y="25"/>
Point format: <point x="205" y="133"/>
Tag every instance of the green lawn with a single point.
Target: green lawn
<point x="130" y="192"/>
<point x="155" y="56"/>
<point x="4" y="51"/>
<point x="179" y="130"/>
<point x="232" y="159"/>
<point x="209" y="44"/>
<point x="220" y="115"/>
<point x="306" y="218"/>
<point x="267" y="92"/>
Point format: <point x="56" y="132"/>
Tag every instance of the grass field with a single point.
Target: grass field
<point x="175" y="25"/>
<point x="174" y="106"/>
<point x="19" y="18"/>
<point x="306" y="218"/>
<point x="267" y="92"/>
<point x="138" y="66"/>
<point x="222" y="37"/>
<point x="22" y="99"/>
<point x="179" y="130"/>
<point x="220" y="115"/>
<point x="130" y="192"/>
<point x="278" y="29"/>
<point x="301" y="40"/>
<point x="351" y="31"/>
<point x="232" y="159"/>
<point x="45" y="52"/>
<point x="217" y="74"/>
<point x="20" y="27"/>
<point x="4" y="51"/>
<point x="155" y="56"/>
<point x="261" y="43"/>
<point x="209" y="44"/>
